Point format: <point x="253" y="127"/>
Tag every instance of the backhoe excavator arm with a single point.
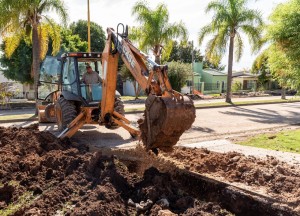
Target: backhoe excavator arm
<point x="168" y="113"/>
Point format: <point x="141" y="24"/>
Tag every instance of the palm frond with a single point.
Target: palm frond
<point x="218" y="44"/>
<point x="54" y="34"/>
<point x="239" y="46"/>
<point x="205" y="31"/>
<point x="140" y="8"/>
<point x="254" y="35"/>
<point x="56" y="5"/>
<point x="11" y="44"/>
<point x="215" y="6"/>
<point x="43" y="40"/>
<point x="155" y="29"/>
<point x="175" y="30"/>
<point x="250" y="17"/>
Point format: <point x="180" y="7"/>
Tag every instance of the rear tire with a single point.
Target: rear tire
<point x="119" y="106"/>
<point x="65" y="113"/>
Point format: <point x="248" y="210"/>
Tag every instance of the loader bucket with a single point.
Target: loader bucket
<point x="165" y="121"/>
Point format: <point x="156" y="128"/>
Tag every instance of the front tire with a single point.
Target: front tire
<point x="65" y="113"/>
<point x="118" y="107"/>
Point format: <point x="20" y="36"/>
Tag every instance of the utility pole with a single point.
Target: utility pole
<point x="89" y="28"/>
<point x="192" y="67"/>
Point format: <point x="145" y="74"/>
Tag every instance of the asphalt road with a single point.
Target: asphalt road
<point x="210" y="124"/>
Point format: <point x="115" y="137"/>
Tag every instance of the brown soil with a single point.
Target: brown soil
<point x="272" y="177"/>
<point x="41" y="175"/>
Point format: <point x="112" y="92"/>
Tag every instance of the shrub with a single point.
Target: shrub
<point x="178" y="74"/>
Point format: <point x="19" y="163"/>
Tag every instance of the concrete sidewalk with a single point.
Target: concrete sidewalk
<point x="224" y="146"/>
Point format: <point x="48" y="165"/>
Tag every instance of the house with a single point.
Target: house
<point x="208" y="81"/>
<point x="21" y="91"/>
<point x="187" y="89"/>
<point x="214" y="81"/>
<point x="247" y="80"/>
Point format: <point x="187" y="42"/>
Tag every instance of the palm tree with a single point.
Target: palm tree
<point x="27" y="18"/>
<point x="231" y="18"/>
<point x="155" y="30"/>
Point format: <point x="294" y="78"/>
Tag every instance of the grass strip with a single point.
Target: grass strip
<point x="286" y="141"/>
<point x="16" y="117"/>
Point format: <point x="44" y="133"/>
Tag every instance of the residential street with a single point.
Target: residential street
<point x="210" y="124"/>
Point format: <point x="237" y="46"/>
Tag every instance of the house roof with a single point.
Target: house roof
<point x="214" y="72"/>
<point x="243" y="74"/>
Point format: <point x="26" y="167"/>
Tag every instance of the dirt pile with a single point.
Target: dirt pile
<point x="41" y="175"/>
<point x="275" y="178"/>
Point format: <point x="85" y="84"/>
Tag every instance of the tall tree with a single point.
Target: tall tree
<point x="183" y="52"/>
<point x="25" y="18"/>
<point x="155" y="30"/>
<point x="127" y="75"/>
<point x="178" y="74"/>
<point x="284" y="52"/>
<point x="231" y="18"/>
<point x="18" y="66"/>
<point x="97" y="34"/>
<point x="284" y="28"/>
<point x="214" y="63"/>
<point x="261" y="67"/>
<point x="72" y="42"/>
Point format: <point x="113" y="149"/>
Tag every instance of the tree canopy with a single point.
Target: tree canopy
<point x="18" y="66"/>
<point x="155" y="31"/>
<point x="19" y="69"/>
<point x="27" y="18"/>
<point x="231" y="18"/>
<point x="183" y="52"/>
<point x="261" y="67"/>
<point x="71" y="42"/>
<point x="178" y="74"/>
<point x="97" y="34"/>
<point x="284" y="52"/>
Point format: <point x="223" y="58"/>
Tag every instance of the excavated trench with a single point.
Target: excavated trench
<point x="41" y="175"/>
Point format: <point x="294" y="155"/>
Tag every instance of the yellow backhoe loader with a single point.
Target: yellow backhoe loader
<point x="72" y="104"/>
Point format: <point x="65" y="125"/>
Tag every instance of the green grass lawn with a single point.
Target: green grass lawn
<point x="287" y="141"/>
<point x="125" y="98"/>
<point x="16" y="117"/>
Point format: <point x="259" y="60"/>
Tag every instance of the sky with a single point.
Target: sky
<point x="108" y="13"/>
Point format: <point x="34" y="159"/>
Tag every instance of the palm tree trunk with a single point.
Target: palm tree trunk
<point x="283" y="93"/>
<point x="229" y="74"/>
<point x="157" y="54"/>
<point x="35" y="60"/>
<point x="135" y="90"/>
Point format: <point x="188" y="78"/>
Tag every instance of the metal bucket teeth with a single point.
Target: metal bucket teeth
<point x="165" y="121"/>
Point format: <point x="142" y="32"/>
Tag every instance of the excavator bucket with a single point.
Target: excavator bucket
<point x="165" y="120"/>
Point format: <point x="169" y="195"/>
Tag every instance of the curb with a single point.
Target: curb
<point x="142" y="111"/>
<point x="250" y="104"/>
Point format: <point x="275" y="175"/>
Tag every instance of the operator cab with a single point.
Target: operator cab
<point x="64" y="74"/>
<point x="74" y="66"/>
